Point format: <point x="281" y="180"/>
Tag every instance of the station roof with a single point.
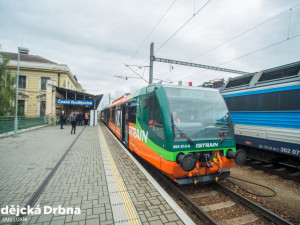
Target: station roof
<point x="71" y="94"/>
<point x="26" y="57"/>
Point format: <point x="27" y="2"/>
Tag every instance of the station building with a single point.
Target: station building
<point x="42" y="83"/>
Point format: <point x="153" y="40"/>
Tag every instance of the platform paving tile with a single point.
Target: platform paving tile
<point x="82" y="183"/>
<point x="26" y="160"/>
<point x="143" y="194"/>
<point x="29" y="158"/>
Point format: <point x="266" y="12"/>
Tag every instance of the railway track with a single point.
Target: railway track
<point x="280" y="169"/>
<point x="224" y="202"/>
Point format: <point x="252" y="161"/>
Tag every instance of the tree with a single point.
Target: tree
<point x="7" y="88"/>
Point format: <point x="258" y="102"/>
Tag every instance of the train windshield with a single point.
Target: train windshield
<point x="198" y="114"/>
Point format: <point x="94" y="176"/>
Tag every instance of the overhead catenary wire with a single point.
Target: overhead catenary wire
<point x="258" y="50"/>
<point x="183" y="25"/>
<point x="247" y="54"/>
<point x="245" y="32"/>
<point x="155" y="26"/>
<point x="141" y="77"/>
<point x="150" y="33"/>
<point x="194" y="14"/>
<point x="252" y="28"/>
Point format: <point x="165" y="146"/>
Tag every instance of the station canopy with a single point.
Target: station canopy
<point x="76" y="95"/>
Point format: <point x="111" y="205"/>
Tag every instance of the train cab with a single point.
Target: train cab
<point x="185" y="132"/>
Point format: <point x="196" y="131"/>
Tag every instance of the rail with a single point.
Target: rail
<point x="260" y="212"/>
<point x="254" y="206"/>
<point x="182" y="196"/>
<point x="281" y="169"/>
<point x="202" y="214"/>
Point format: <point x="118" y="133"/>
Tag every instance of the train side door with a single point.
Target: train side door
<point x="125" y="127"/>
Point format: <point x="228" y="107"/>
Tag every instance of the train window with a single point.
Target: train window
<point x="132" y="112"/>
<point x="154" y="117"/>
<point x="119" y="116"/>
<point x="108" y="115"/>
<point x="274" y="101"/>
<point x="113" y="115"/>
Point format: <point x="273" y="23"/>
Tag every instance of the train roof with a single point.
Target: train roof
<point x="190" y="87"/>
<point x="129" y="96"/>
<point x="274" y="76"/>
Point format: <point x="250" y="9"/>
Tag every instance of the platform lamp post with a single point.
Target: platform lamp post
<point x="25" y="51"/>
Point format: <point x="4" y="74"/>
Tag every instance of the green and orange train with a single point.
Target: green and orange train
<point x="185" y="132"/>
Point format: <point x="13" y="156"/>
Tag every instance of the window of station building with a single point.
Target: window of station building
<point x="22" y="81"/>
<point x="21" y="106"/>
<point x="42" y="108"/>
<point x="132" y="112"/>
<point x="274" y="101"/>
<point x="154" y="117"/>
<point x="113" y="115"/>
<point x="44" y="82"/>
<point x="119" y="116"/>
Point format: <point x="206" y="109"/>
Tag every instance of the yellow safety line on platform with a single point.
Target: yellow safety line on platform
<point x="130" y="210"/>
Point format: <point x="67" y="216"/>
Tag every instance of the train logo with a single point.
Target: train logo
<point x="139" y="134"/>
<point x="207" y="145"/>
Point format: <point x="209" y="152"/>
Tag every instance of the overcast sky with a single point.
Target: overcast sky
<point x="95" y="38"/>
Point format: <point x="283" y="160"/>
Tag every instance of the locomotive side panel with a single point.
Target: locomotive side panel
<point x="265" y="109"/>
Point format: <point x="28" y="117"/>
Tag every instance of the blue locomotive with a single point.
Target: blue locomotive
<point x="265" y="110"/>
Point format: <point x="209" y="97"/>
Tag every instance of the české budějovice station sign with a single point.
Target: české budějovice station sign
<point x="74" y="102"/>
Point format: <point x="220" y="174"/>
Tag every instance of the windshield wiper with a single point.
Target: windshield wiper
<point x="223" y="124"/>
<point x="183" y="134"/>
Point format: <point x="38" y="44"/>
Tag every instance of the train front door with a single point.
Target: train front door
<point x="125" y="128"/>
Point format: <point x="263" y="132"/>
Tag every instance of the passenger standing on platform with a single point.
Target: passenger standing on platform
<point x="73" y="122"/>
<point x="70" y="117"/>
<point x="62" y="119"/>
<point x="80" y="117"/>
<point x="77" y="118"/>
<point x="86" y="118"/>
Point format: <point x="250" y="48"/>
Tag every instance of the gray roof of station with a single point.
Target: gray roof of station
<point x="26" y="57"/>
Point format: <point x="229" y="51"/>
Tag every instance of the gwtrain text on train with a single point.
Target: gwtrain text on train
<point x="185" y="132"/>
<point x="265" y="110"/>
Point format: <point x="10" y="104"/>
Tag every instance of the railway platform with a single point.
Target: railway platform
<point x="90" y="173"/>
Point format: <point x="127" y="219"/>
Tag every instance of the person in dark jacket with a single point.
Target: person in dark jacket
<point x="73" y="122"/>
<point x="62" y="119"/>
<point x="80" y="118"/>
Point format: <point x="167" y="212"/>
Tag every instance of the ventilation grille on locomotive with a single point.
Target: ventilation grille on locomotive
<point x="278" y="74"/>
<point x="240" y="81"/>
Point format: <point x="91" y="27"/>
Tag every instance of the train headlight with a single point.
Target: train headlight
<point x="187" y="162"/>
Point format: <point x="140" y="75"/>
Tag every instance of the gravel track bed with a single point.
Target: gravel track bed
<point x="286" y="203"/>
<point x="213" y="199"/>
<point x="262" y="222"/>
<point x="230" y="213"/>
